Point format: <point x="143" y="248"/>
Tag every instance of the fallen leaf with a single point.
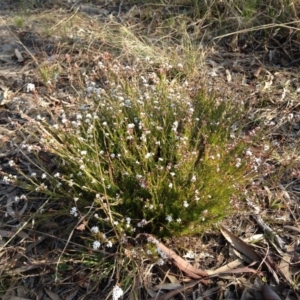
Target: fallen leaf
<point x="228" y="267"/>
<point x="167" y="286"/>
<point x="269" y="294"/>
<point x="284" y="265"/>
<point x="291" y="227"/>
<point x="240" y="245"/>
<point x="269" y="233"/>
<point x="182" y="264"/>
<point x="175" y="292"/>
<point x="172" y="278"/>
<point x="17" y="298"/>
<point x="52" y="295"/>
<point x="273" y="268"/>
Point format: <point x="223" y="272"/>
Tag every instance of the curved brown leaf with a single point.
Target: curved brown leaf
<point x="182" y="264"/>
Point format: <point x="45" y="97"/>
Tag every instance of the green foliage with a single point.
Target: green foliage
<point x="151" y="157"/>
<point x="19" y="21"/>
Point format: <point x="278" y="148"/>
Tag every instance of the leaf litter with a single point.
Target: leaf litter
<point x="240" y="76"/>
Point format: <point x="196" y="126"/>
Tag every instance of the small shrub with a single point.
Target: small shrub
<point x="147" y="155"/>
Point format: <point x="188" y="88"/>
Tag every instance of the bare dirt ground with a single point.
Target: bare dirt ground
<point x="265" y="77"/>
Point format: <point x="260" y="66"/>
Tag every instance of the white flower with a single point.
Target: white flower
<point x="73" y="211"/>
<point x="117" y="292"/>
<point x="95" y="229"/>
<point x="160" y="262"/>
<point x="148" y="155"/>
<point x="248" y="153"/>
<point x="142" y="223"/>
<point x="130" y="126"/>
<point x="11" y="163"/>
<point x="75" y="124"/>
<point x="83" y="152"/>
<point x="170" y="185"/>
<point x="169" y="218"/>
<point x="193" y="178"/>
<point x="44" y="176"/>
<point x="128" y="103"/>
<point x="152" y="240"/>
<point x="190" y="254"/>
<point x="109" y="244"/>
<point x="96" y="245"/>
<point x="175" y="125"/>
<point x="238" y="162"/>
<point x="185" y="204"/>
<point x="30" y="87"/>
<point x="33" y="174"/>
<point x="161" y="253"/>
<point x="290" y="116"/>
<point x="41" y="187"/>
<point x="56" y="175"/>
<point x="178" y="220"/>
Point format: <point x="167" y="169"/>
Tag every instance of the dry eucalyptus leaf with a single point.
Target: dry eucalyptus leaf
<point x="182" y="264"/>
<point x="240" y="245"/>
